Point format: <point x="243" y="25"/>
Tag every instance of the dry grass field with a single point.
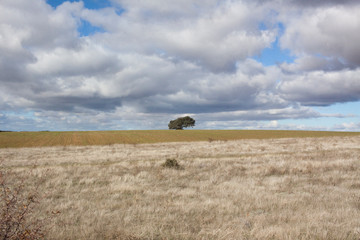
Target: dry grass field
<point x="287" y="188"/>
<point x="89" y="138"/>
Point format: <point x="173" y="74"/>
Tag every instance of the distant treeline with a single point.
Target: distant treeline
<point x="4" y="131"/>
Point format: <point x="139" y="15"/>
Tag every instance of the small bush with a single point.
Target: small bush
<point x="171" y="163"/>
<point x="16" y="210"/>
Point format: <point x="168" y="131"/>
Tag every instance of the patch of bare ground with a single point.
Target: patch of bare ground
<point x="306" y="188"/>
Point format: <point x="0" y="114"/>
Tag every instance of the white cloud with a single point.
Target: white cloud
<point x="329" y="31"/>
<point x="158" y="59"/>
<point x="216" y="37"/>
<point x="87" y="59"/>
<point x="322" y="88"/>
<point x="34" y="24"/>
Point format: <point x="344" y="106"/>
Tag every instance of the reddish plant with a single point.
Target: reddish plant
<point x="16" y="209"/>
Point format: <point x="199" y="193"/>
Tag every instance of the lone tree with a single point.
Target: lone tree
<point x="182" y="122"/>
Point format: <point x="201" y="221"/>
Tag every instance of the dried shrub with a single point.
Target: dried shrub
<point x="171" y="163"/>
<point x="277" y="171"/>
<point x="16" y="211"/>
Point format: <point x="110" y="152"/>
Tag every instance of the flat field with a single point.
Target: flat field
<point x="284" y="188"/>
<point x="87" y="138"/>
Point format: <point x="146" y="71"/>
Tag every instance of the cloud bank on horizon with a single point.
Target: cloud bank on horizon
<point x="123" y="64"/>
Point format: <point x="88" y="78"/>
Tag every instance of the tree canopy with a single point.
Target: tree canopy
<point x="181" y="122"/>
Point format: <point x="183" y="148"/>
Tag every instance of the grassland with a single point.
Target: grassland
<point x="285" y="188"/>
<point x="42" y="139"/>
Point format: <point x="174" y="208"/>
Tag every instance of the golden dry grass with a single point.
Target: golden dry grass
<point x="290" y="188"/>
<point x="88" y="138"/>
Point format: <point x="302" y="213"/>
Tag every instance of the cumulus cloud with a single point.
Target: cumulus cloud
<point x="213" y="34"/>
<point x="22" y="34"/>
<point x="88" y="59"/>
<point x="322" y="88"/>
<point x="330" y="32"/>
<point x="324" y="40"/>
<point x="161" y="59"/>
<point x="34" y="24"/>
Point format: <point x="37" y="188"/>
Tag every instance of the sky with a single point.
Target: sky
<point x="229" y="64"/>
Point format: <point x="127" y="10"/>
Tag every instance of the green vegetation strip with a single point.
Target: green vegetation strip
<point x="41" y="139"/>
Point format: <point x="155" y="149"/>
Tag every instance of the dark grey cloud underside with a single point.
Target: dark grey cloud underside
<point x="313" y="99"/>
<point x="76" y="104"/>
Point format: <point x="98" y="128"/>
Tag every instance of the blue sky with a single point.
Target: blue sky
<point x="89" y="4"/>
<point x="85" y="28"/>
<point x="274" y="54"/>
<point x="123" y="64"/>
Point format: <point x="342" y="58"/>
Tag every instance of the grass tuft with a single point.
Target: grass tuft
<point x="171" y="163"/>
